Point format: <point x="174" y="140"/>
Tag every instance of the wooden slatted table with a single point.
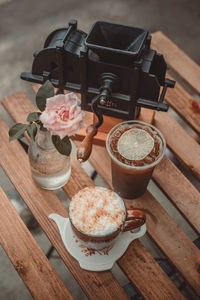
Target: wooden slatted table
<point x="137" y="263"/>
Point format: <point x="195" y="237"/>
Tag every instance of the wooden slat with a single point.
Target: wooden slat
<point x="27" y="257"/>
<point x="160" y="283"/>
<point x="160" y="226"/>
<point x="18" y="106"/>
<point x="148" y="272"/>
<point x="185" y="148"/>
<point x="180" y="191"/>
<point x="182" y="102"/>
<point x="177" y="60"/>
<point x="41" y="202"/>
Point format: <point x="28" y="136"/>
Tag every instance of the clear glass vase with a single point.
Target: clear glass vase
<point x="50" y="169"/>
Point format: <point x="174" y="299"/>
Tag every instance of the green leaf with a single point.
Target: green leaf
<point x="16" y="131"/>
<point x="44" y="92"/>
<point x="33" y="117"/>
<point x="32" y="131"/>
<point x="63" y="146"/>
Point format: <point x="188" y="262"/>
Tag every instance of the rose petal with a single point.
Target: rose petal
<point x="62" y="115"/>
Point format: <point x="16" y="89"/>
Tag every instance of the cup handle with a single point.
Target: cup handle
<point x="134" y="218"/>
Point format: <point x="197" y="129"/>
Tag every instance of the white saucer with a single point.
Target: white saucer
<point x="96" y="261"/>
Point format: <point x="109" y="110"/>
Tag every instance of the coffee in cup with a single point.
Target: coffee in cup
<point x="98" y="215"/>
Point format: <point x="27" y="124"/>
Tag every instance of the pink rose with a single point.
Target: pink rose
<point x="62" y="115"/>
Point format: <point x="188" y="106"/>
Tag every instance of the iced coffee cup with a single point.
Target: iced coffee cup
<point x="98" y="216"/>
<point x="135" y="148"/>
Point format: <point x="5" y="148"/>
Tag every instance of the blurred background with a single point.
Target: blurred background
<point x="24" y="26"/>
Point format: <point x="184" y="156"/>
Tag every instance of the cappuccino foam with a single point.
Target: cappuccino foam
<point x="97" y="211"/>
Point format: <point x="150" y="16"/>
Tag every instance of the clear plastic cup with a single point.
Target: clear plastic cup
<point x="130" y="178"/>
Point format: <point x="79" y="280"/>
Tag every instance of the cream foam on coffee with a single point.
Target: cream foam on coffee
<point x="97" y="211"/>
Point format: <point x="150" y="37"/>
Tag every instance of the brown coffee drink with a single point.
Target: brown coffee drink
<point x="135" y="148"/>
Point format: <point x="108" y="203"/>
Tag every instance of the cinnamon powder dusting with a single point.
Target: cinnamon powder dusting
<point x="97" y="211"/>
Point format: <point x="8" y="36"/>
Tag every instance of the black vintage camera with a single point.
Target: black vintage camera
<point x="113" y="68"/>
